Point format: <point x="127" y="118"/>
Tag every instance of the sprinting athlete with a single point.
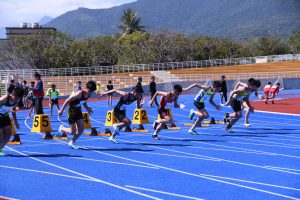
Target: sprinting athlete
<point x="274" y="91"/>
<point x="267" y="89"/>
<point x="53" y="94"/>
<point x="203" y="94"/>
<point x="8" y="103"/>
<point x="238" y="97"/>
<point x="126" y="98"/>
<point x="75" y="117"/>
<point x="167" y="97"/>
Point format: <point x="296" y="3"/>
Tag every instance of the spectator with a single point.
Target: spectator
<point x="224" y="90"/>
<point x="109" y="96"/>
<point x="152" y="87"/>
<point x="11" y="86"/>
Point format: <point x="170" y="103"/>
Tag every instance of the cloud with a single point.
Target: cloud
<point x="12" y="12"/>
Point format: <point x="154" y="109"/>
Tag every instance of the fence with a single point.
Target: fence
<point x="87" y="71"/>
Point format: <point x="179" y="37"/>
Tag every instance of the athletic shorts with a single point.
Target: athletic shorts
<point x="74" y="114"/>
<point x="120" y="115"/>
<point x="266" y="91"/>
<point x="199" y="105"/>
<point x="163" y="112"/>
<point x="236" y="105"/>
<point x="4" y="121"/>
<point x="54" y="101"/>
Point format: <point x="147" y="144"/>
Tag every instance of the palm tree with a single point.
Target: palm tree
<point x="131" y="22"/>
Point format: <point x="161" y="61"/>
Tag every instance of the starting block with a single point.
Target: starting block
<point x="110" y="118"/>
<point x="213" y="121"/>
<point x="86" y="119"/>
<point x="140" y="117"/>
<point x="173" y="126"/>
<point x="41" y="123"/>
<point x="96" y="133"/>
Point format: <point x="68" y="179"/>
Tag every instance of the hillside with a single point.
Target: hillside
<point x="227" y="18"/>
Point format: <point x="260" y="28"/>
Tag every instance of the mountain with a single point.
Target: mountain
<point x="237" y="19"/>
<point x="45" y="20"/>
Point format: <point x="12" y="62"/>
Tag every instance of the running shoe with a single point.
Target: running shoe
<point x="113" y="139"/>
<point x="273" y="102"/>
<point x="247" y="124"/>
<point x="155" y="137"/>
<point x="116" y="130"/>
<point x="192" y="114"/>
<point x="72" y="145"/>
<point x="229" y="130"/>
<point x="60" y="132"/>
<point x="155" y="124"/>
<point x="193" y="132"/>
<point x="1" y="153"/>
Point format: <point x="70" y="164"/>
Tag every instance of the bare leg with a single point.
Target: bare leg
<point x="203" y="114"/>
<point x="6" y="133"/>
<point x="80" y="129"/>
<point x="162" y="122"/>
<point x="235" y="117"/>
<point x="246" y="107"/>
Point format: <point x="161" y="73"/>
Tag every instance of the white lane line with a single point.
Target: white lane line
<point x="96" y="160"/>
<point x="253" y="182"/>
<point x="163" y="192"/>
<point x="238" y="148"/>
<point x="86" y="176"/>
<point x="284" y="168"/>
<point x="278" y="113"/>
<point x="218" y="159"/>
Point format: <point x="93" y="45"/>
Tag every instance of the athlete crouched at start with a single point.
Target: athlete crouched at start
<point x="120" y="111"/>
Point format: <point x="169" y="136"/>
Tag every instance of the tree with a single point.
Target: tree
<point x="269" y="45"/>
<point x="294" y="41"/>
<point x="131" y="22"/>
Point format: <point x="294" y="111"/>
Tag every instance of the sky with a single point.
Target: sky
<point x="13" y="12"/>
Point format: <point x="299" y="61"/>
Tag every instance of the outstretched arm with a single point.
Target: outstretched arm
<point x="157" y="94"/>
<point x="212" y="102"/>
<point x="194" y="85"/>
<point x="122" y="93"/>
<point x="71" y="98"/>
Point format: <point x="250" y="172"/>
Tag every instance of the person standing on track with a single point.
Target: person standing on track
<point x="153" y="90"/>
<point x="238" y="97"/>
<point x="75" y="117"/>
<point x="119" y="111"/>
<point x="8" y="103"/>
<point x="109" y="87"/>
<point x="53" y="94"/>
<point x="224" y="89"/>
<point x="203" y="94"/>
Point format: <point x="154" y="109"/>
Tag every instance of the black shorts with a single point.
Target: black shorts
<point x="74" y="114"/>
<point x="163" y="112"/>
<point x="54" y="101"/>
<point x="4" y="121"/>
<point x="236" y="105"/>
<point x="120" y="115"/>
<point x="199" y="105"/>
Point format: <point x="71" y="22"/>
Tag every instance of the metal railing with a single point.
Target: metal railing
<point x="88" y="71"/>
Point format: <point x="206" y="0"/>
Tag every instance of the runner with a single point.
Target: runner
<point x="53" y="93"/>
<point x="199" y="102"/>
<point x="167" y="97"/>
<point x="239" y="97"/>
<point x="8" y="103"/>
<point x="267" y="92"/>
<point x="126" y="98"/>
<point x="274" y="91"/>
<point x="75" y="114"/>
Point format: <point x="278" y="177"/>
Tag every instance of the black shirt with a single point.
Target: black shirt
<point x="224" y="86"/>
<point x="152" y="87"/>
<point x="110" y="87"/>
<point x="125" y="100"/>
